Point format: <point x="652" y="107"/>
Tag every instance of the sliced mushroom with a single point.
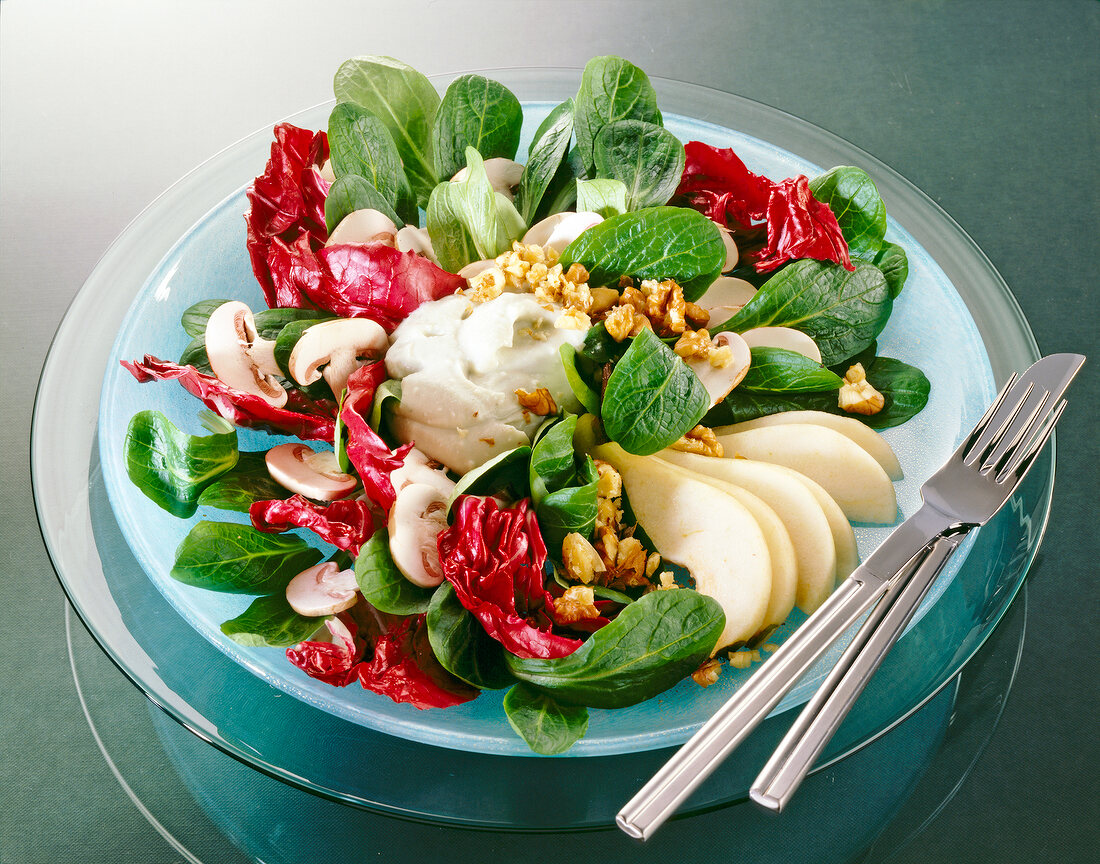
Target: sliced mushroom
<point x="561" y="229"/>
<point x="418" y="515"/>
<point x="725" y="296"/>
<point x="411" y="239"/>
<point x="476" y="268"/>
<point x="783" y="337"/>
<point x="720" y="380"/>
<point x="503" y="174"/>
<point x="731" y="249"/>
<point x="239" y="357"/>
<point x="315" y="475"/>
<point x="418" y="468"/>
<point x="327" y="173"/>
<point x="323" y="589"/>
<point x="337" y="346"/>
<point x="364" y="226"/>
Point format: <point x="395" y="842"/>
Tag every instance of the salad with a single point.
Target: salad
<point x="576" y="428"/>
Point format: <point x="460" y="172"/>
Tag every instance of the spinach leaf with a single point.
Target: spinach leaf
<point x="553" y="460"/>
<point x="461" y="644"/>
<point x="894" y="264"/>
<point x="226" y="556"/>
<point x="611" y="89"/>
<point x="270" y="322"/>
<point x="475" y="112"/>
<point x="854" y="200"/>
<point x="451" y="240"/>
<point x="506" y="475"/>
<point x="780" y="370"/>
<point x="270" y="623"/>
<point x="196" y="315"/>
<point x="646" y="158"/>
<point x="548" y="727"/>
<point x="652" y="398"/>
<point x="382" y="584"/>
<point x="359" y="144"/>
<point x="651" y="644"/>
<point x="606" y="197"/>
<point x="600" y="347"/>
<point x="588" y="397"/>
<point x="244" y="484"/>
<point x="195" y="355"/>
<point x="841" y="310"/>
<point x="350" y="193"/>
<point x="545" y="157"/>
<point x="387" y="390"/>
<point x="655" y="243"/>
<point x="564" y="498"/>
<point x="405" y="101"/>
<point x="171" y="467"/>
<point x="562" y="192"/>
<point x="567" y="511"/>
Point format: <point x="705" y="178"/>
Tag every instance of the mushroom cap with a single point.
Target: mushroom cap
<point x="323" y="589"/>
<point x="418" y="468"/>
<point x="561" y="229"/>
<point x="720" y="380"/>
<point x="476" y="268"/>
<point x="504" y="175"/>
<point x="418" y="514"/>
<point x="340" y="344"/>
<point x="412" y="239"/>
<point x="783" y="337"/>
<point x="231" y="343"/>
<point x="725" y="296"/>
<point x="731" y="249"/>
<point x="364" y="226"/>
<point x="312" y="474"/>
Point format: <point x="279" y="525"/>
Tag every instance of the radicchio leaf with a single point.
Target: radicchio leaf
<point x="495" y="559"/>
<point x="333" y="662"/>
<point x="366" y="450"/>
<point x="304" y="418"/>
<point x="345" y="524"/>
<point x="716" y="183"/>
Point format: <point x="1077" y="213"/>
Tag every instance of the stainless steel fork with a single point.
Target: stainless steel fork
<point x="966" y="492"/>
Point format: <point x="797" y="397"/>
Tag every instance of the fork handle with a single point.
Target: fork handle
<point x="823" y="714"/>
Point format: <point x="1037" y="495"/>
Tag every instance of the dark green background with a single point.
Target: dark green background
<point x="990" y="107"/>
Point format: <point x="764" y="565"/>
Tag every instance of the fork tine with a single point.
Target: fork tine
<point x="980" y="426"/>
<point x="992" y="435"/>
<point x="1021" y="460"/>
<point x="1024" y="429"/>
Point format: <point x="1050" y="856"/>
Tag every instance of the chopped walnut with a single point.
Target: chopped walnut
<point x="576" y="604"/>
<point x="603" y="299"/>
<point x="487" y="285"/>
<point x="582" y="561"/>
<point x="692" y="344"/>
<point x="697" y="317"/>
<point x="720" y="356"/>
<point x="667" y="581"/>
<point x="700" y="440"/>
<point x="619" y="322"/>
<point x="540" y="402"/>
<point x="573" y="319"/>
<point x="707" y="673"/>
<point x="665" y="306"/>
<point x="740" y="659"/>
<point x="630" y="561"/>
<point x="610" y="483"/>
<point x="652" y="563"/>
<point x="857" y="396"/>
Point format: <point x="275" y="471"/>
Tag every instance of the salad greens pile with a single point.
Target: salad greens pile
<point x="816" y="250"/>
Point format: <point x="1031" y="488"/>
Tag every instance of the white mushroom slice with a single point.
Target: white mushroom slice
<point x="720" y="380"/>
<point x="725" y="296"/>
<point x="323" y="589"/>
<point x="239" y="357"/>
<point x="783" y="337"/>
<point x="327" y="174"/>
<point x="364" y="226"/>
<point x="731" y="249"/>
<point x="315" y="475"/>
<point x="503" y="174"/>
<point x="411" y="239"/>
<point x="418" y="515"/>
<point x="418" y="468"/>
<point x="337" y="346"/>
<point x="561" y="229"/>
<point x="476" y="268"/>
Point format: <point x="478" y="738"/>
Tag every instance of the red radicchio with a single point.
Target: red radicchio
<point x="332" y="662"/>
<point x="716" y="183"/>
<point x="287" y="203"/>
<point x="359" y="280"/>
<point x="372" y="459"/>
<point x="495" y="560"/>
<point x="345" y="524"/>
<point x="312" y="421"/>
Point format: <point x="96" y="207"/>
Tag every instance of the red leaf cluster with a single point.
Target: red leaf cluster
<point x="372" y="458"/>
<point x="717" y="183"/>
<point x="305" y="418"/>
<point x="495" y="559"/>
<point x="345" y="524"/>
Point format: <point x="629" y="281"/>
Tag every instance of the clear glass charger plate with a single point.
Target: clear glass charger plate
<point x="224" y="702"/>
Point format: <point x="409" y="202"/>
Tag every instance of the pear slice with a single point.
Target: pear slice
<point x="849" y="427"/>
<point x="704" y="529"/>
<point x="844" y="538"/>
<point x="854" y="480"/>
<point x="795" y="506"/>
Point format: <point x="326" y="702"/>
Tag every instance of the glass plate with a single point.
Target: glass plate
<point x="245" y="716"/>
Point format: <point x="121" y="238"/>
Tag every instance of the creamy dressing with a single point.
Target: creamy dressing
<point x="460" y="364"/>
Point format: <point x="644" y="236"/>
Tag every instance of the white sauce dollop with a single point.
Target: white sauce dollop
<point x="460" y="364"/>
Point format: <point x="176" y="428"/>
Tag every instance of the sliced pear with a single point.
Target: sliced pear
<point x="796" y="507"/>
<point x="849" y="427"/>
<point x="705" y="529"/>
<point x="854" y="480"/>
<point x="844" y="538"/>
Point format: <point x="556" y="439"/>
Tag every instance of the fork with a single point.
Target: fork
<point x="966" y="492"/>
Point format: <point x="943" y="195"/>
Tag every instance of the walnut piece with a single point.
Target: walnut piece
<point x="582" y="561"/>
<point x="707" y="673"/>
<point x="857" y="396"/>
<point x="700" y="440"/>
<point x="578" y="603"/>
<point x="540" y="402"/>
